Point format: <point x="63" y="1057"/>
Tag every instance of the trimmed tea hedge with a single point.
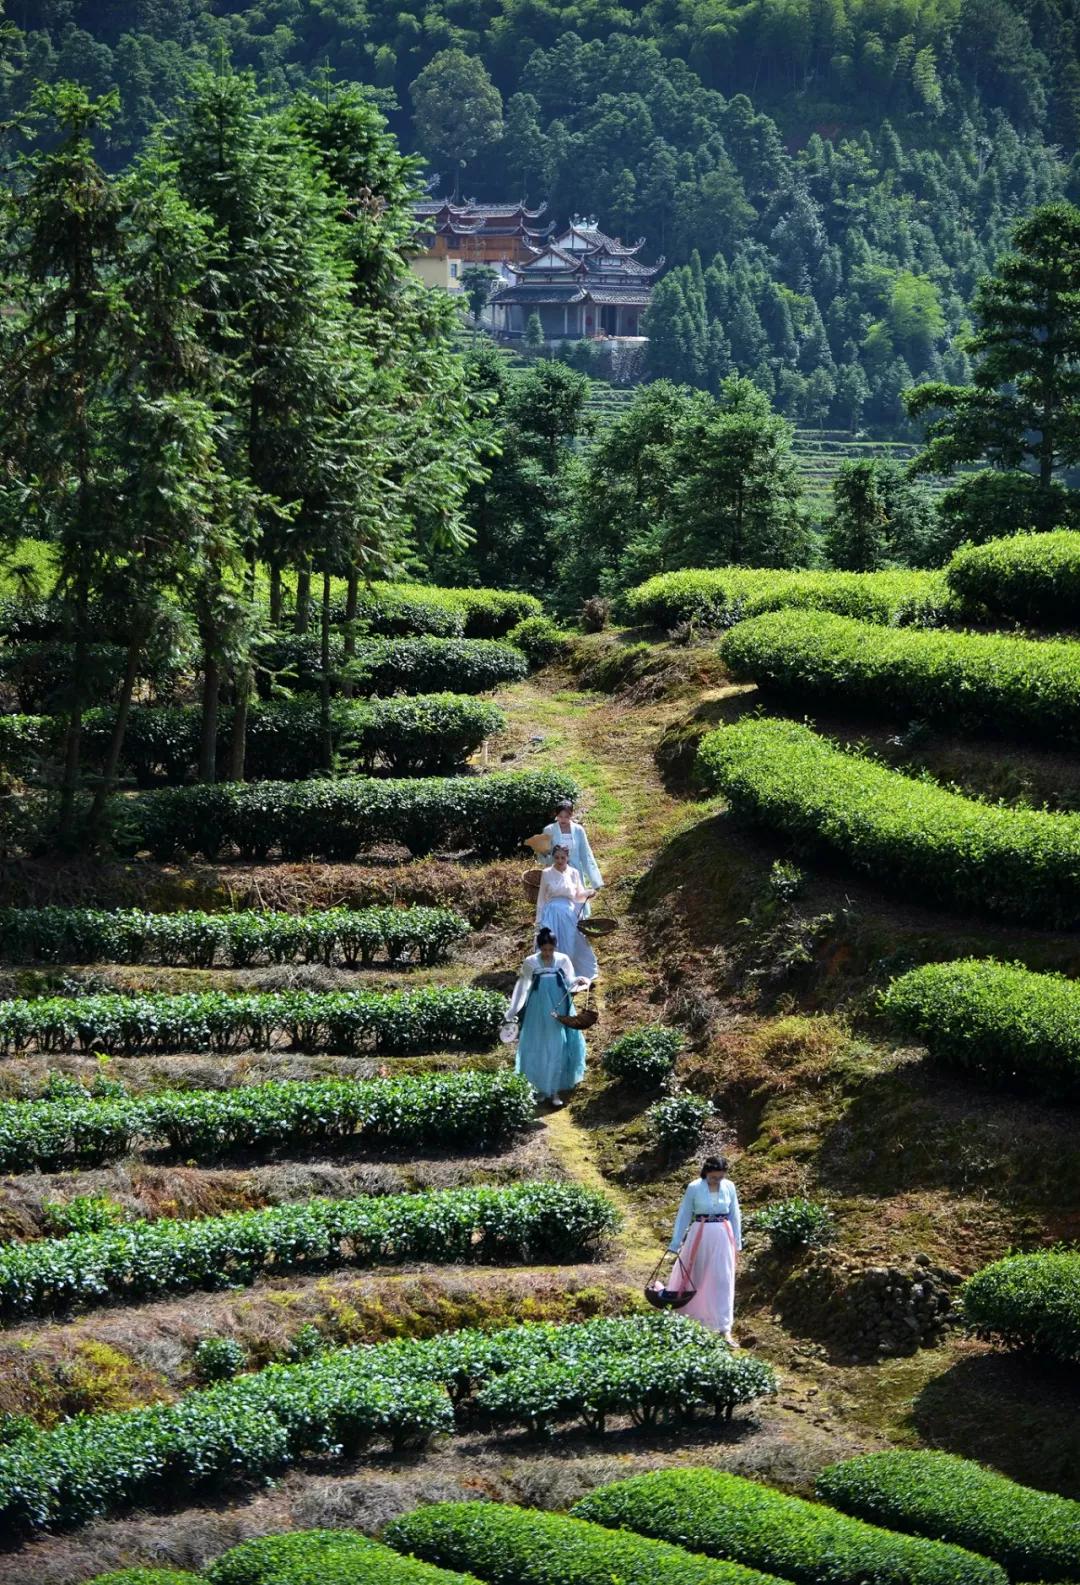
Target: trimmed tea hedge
<point x="341" y="1021"/>
<point x="400" y="609"/>
<point x="727" y="595"/>
<point x="518" y="1546"/>
<point x="1022" y="577"/>
<point x="324" y="1557"/>
<point x="147" y="1576"/>
<point x="977" y="681"/>
<point x="257" y="1424"/>
<point x="139" y="1260"/>
<point x="233" y="940"/>
<point x="469" y="1109"/>
<point x="645" y="1055"/>
<point x="909" y="835"/>
<point x="489" y="815"/>
<point x="999" y="1020"/>
<point x="1032" y="1534"/>
<point x="394" y="665"/>
<point x="729" y="1517"/>
<point x="1028" y="1301"/>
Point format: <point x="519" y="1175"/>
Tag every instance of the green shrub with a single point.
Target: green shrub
<point x="999" y="1020"/>
<point x="533" y="1221"/>
<point x="233" y="940"/>
<point x="491" y="613"/>
<point x="1028" y="1301"/>
<point x="218" y="1358"/>
<point x="727" y="595"/>
<point x="909" y="835"/>
<point x="41" y="673"/>
<point x="796" y="1224"/>
<point x="390" y="665"/>
<point x="148" y="1576"/>
<point x="729" y="1517"/>
<point x="340" y="818"/>
<point x="517" y="1546"/>
<point x="464" y="1108"/>
<point x="678" y="1121"/>
<point x="83" y="1213"/>
<point x="323" y="1557"/>
<point x="539" y="640"/>
<point x="974" y="681"/>
<point x="1030" y="1533"/>
<point x="644" y="1056"/>
<point x="402" y="610"/>
<point x="1023" y="578"/>
<point x="341" y="1021"/>
<point x="260" y="1423"/>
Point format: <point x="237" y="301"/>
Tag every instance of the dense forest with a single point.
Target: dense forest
<point x="827" y="181"/>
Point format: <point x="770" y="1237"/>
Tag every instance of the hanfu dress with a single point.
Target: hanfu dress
<point x="549" y="1055"/>
<point x="707" y="1237"/>
<point x="581" y="855"/>
<point x="559" y="903"/>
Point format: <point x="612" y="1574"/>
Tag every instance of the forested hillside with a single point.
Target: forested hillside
<point x="828" y="181"/>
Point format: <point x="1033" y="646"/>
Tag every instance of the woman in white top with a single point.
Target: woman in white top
<point x="559" y="902"/>
<point x="707" y="1237"/>
<point x="567" y="832"/>
<point x="551" y="1056"/>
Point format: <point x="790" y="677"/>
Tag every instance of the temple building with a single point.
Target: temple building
<point x="450" y="236"/>
<point x="582" y="284"/>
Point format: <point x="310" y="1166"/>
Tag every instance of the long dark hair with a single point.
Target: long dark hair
<point x="545" y="938"/>
<point x="714" y="1164"/>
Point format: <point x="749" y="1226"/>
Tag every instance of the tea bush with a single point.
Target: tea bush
<point x="644" y="1056"/>
<point x="727" y="595"/>
<point x="518" y="1546"/>
<point x="1028" y="1301"/>
<point x="973" y="681"/>
<point x="148" y="1576"/>
<point x="1021" y="577"/>
<point x="341" y="1021"/>
<point x="334" y="1406"/>
<point x="234" y="940"/>
<point x="491" y="613"/>
<point x="998" y="1020"/>
<point x="794" y="1225"/>
<point x="323" y="1557"/>
<point x="678" y="1121"/>
<point x="909" y="835"/>
<point x="337" y="819"/>
<point x="218" y="1358"/>
<point x="391" y="665"/>
<point x="729" y="1517"/>
<point x="1032" y="1534"/>
<point x="533" y="1221"/>
<point x="472" y="1109"/>
<point x="539" y="640"/>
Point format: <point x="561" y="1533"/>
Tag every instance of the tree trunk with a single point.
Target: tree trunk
<point x="275" y="594"/>
<point x="352" y="601"/>
<point x="245" y="684"/>
<point x="324" y="685"/>
<point x="211" y="692"/>
<point x="73" y="731"/>
<point x="123" y="714"/>
<point x="302" y="619"/>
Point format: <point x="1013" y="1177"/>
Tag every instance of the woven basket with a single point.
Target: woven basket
<point x="597" y="926"/>
<point x="530" y="881"/>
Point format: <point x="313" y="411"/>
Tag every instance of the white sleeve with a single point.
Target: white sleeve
<point x="682" y="1221"/>
<point x="541" y="897"/>
<point x="521" y="990"/>
<point x="591" y="869"/>
<point x="736" y="1215"/>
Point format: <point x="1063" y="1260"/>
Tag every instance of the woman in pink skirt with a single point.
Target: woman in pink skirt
<point x="707" y="1238"/>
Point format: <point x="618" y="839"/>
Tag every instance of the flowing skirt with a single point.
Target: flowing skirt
<point x="707" y="1263"/>
<point x="549" y="1055"/>
<point x="561" y="917"/>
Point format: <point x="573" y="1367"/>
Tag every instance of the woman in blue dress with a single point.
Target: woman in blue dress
<point x="560" y="903"/>
<point x="549" y="1055"/>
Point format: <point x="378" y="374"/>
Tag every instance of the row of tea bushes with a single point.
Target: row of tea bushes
<point x="398" y="610"/>
<point x="331" y="1557"/>
<point x="974" y="681"/>
<point x="234" y="940"/>
<point x="1032" y="1534"/>
<point x="139" y="1260"/>
<point x="520" y="1546"/>
<point x="726" y="595"/>
<point x="335" y="1405"/>
<point x="1031" y="578"/>
<point x="398" y="1022"/>
<point x="909" y="835"/>
<point x="999" y="1020"/>
<point x="1028" y="1301"/>
<point x="490" y="816"/>
<point x="468" y="1109"/>
<point x="741" y="1520"/>
<point x="390" y="665"/>
<point x="422" y="736"/>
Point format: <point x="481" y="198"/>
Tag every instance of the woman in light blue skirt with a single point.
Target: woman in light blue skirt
<point x="549" y="1055"/>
